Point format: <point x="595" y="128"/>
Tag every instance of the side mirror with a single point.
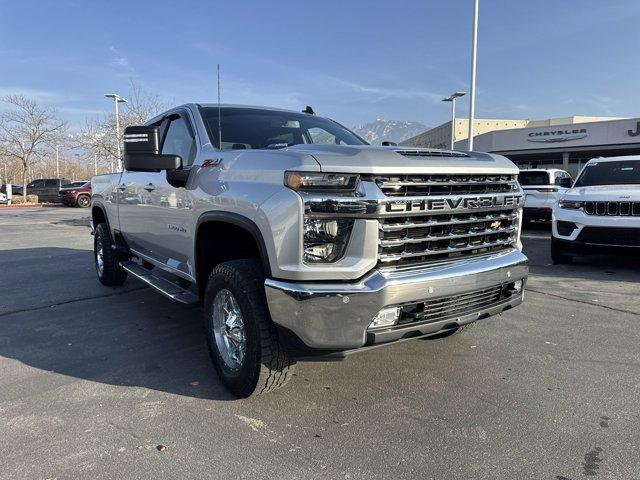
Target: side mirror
<point x="565" y="182"/>
<point x="142" y="151"/>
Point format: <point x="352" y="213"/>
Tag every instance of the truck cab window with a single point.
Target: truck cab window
<point x="320" y="135"/>
<point x="179" y="141"/>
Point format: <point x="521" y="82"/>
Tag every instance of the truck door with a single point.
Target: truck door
<point x="161" y="211"/>
<point x="134" y="202"/>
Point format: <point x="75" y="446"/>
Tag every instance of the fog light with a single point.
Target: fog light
<point x="513" y="288"/>
<point x="517" y="286"/>
<point x="386" y="317"/>
<point x="565" y="228"/>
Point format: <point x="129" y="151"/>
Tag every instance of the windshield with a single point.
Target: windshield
<point x="610" y="173"/>
<point x="533" y="178"/>
<point x="252" y="128"/>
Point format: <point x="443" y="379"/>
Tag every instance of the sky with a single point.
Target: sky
<point x="353" y="61"/>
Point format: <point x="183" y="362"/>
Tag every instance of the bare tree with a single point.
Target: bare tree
<point x="98" y="136"/>
<point x="26" y="131"/>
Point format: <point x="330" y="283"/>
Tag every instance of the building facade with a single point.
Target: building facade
<point x="565" y="142"/>
<point x="440" y="136"/>
<point x="569" y="145"/>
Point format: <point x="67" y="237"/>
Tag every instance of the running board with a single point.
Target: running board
<point x="164" y="286"/>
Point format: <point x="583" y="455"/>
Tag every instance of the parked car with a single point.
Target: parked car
<point x="47" y="189"/>
<point x="3" y="198"/>
<point x="14" y="188"/>
<point x="76" y="195"/>
<point x="542" y="189"/>
<point x="302" y="240"/>
<point x="601" y="212"/>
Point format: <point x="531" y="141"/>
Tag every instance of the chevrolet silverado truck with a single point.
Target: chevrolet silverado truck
<point x="303" y="241"/>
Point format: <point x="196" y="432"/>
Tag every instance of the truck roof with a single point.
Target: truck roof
<point x="615" y="159"/>
<point x="252" y="107"/>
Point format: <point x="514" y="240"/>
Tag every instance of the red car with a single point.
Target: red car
<point x="76" y="195"/>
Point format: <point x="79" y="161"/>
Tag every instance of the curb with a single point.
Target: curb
<point x="34" y="205"/>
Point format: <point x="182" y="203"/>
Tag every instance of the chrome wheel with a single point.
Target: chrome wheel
<point x="228" y="329"/>
<point x="99" y="256"/>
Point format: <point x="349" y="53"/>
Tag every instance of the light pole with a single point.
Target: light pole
<point x="58" y="161"/>
<point x="117" y="99"/>
<point x="452" y="98"/>
<point x="472" y="88"/>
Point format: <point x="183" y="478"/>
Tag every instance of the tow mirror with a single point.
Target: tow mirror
<point x="142" y="151"/>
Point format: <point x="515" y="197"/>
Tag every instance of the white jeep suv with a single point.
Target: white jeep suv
<point x="542" y="188"/>
<point x="601" y="212"/>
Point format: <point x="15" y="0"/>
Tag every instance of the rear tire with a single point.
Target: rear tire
<point x="83" y="201"/>
<point x="243" y="341"/>
<point x="558" y="253"/>
<point x="106" y="259"/>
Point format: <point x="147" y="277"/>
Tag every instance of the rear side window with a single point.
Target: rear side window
<point x="533" y="178"/>
<point x="179" y="141"/>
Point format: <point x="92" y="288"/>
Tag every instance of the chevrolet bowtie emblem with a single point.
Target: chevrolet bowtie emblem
<point x="495" y="225"/>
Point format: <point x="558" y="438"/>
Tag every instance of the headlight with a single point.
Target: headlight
<point x="570" y="204"/>
<point x="325" y="240"/>
<point x="326" y="182"/>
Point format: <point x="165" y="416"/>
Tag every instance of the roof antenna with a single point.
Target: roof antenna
<point x="309" y="110"/>
<point x="219" y="120"/>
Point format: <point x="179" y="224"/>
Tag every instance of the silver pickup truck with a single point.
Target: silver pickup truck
<point x="301" y="240"/>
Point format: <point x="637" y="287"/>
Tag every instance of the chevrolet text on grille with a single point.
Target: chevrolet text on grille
<point x="455" y="203"/>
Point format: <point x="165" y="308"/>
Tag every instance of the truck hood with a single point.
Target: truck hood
<point x="621" y="193"/>
<point x="368" y="159"/>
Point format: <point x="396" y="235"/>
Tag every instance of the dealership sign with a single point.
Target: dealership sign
<point x="555" y="136"/>
<point x="570" y="136"/>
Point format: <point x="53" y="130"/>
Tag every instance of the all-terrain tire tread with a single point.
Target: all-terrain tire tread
<point x="112" y="275"/>
<point x="274" y="361"/>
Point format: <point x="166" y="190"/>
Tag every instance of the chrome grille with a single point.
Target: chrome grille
<point x="612" y="208"/>
<point x="420" y="185"/>
<point x="406" y="240"/>
<point x="451" y="307"/>
<point x="439" y="217"/>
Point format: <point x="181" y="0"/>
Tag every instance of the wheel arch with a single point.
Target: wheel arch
<point x="244" y="240"/>
<point x="99" y="215"/>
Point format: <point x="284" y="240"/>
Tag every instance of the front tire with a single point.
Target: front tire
<point x="106" y="259"/>
<point x="243" y="341"/>
<point x="83" y="201"/>
<point x="558" y="255"/>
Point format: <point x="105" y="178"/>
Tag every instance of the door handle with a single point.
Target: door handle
<point x="122" y="187"/>
<point x="150" y="187"/>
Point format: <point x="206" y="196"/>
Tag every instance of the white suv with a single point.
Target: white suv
<point x="542" y="189"/>
<point x="601" y="211"/>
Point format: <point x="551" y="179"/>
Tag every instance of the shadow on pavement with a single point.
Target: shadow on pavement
<point x="113" y="336"/>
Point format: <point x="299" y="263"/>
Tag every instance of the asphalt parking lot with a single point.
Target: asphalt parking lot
<point x="94" y="379"/>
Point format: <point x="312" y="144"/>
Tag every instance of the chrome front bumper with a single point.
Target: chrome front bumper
<point x="336" y="316"/>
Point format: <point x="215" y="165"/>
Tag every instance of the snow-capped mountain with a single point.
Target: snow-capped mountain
<point x="390" y="130"/>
